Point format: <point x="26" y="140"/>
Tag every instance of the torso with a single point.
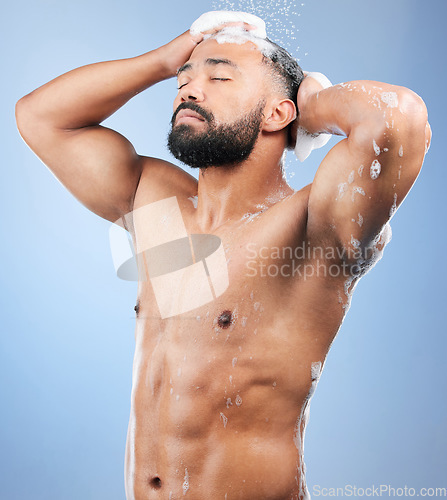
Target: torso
<point x="220" y="392"/>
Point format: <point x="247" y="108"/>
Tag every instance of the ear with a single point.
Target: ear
<point x="278" y="115"/>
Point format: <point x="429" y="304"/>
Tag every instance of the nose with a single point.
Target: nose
<point x="192" y="91"/>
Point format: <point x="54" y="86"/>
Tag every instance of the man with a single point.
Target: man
<point x="221" y="388"/>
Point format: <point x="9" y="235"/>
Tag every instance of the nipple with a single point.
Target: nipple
<point x="225" y="319"/>
<point x="137" y="307"/>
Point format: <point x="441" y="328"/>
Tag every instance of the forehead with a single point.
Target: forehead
<point x="246" y="56"/>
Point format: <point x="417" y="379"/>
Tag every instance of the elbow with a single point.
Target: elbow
<point x="414" y="120"/>
<point x="19" y="113"/>
<point x="23" y="116"/>
<point x="406" y="123"/>
<point x="413" y="111"/>
<point x="28" y="120"/>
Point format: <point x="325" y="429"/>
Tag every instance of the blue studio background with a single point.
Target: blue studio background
<point x="67" y="322"/>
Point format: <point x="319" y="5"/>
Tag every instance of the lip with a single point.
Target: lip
<point x="188" y="114"/>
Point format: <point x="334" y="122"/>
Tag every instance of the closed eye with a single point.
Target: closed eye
<point x="220" y="79"/>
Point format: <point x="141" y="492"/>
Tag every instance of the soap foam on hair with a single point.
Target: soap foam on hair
<point x="305" y="142"/>
<point x="213" y="19"/>
<point x="238" y="35"/>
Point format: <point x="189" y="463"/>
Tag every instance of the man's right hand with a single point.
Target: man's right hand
<point x="174" y="54"/>
<point x="60" y="122"/>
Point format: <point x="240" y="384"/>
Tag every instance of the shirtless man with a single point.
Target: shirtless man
<point x="220" y="393"/>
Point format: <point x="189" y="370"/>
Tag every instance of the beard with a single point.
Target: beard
<point x="218" y="145"/>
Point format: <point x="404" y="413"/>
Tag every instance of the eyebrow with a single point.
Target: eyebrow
<point x="210" y="62"/>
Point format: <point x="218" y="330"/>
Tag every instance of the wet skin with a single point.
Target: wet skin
<point x="218" y="392"/>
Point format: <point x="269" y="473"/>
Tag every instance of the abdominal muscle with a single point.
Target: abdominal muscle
<point x="215" y="411"/>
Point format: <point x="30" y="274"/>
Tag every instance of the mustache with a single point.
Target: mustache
<point x="209" y="117"/>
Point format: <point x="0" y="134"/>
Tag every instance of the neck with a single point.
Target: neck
<point x="228" y="193"/>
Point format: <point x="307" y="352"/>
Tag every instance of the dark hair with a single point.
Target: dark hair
<point x="287" y="74"/>
<point x="285" y="70"/>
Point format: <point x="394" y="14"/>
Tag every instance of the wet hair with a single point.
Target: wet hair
<point x="287" y="76"/>
<point x="286" y="72"/>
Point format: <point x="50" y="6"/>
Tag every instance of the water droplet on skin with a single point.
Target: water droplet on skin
<point x="401" y="151"/>
<point x="375" y="169"/>
<point x="185" y="485"/>
<point x="390" y="99"/>
<point x="342" y="188"/>
<point x="230" y="378"/>
<point x="274" y="384"/>
<point x="229" y="403"/>
<point x="224" y="419"/>
<point x="238" y="400"/>
<point x="315" y="370"/>
<point x="234" y="362"/>
<point x="360" y="170"/>
<point x="354" y="242"/>
<point x="394" y="205"/>
<point x="360" y="220"/>
<point x="177" y="397"/>
<point x="256" y="306"/>
<point x="171" y="391"/>
<point x="351" y="177"/>
<point x="376" y="148"/>
<point x="194" y="200"/>
<point x="179" y="371"/>
<point x="357" y="189"/>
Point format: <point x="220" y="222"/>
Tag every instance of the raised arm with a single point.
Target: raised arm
<point x="60" y="123"/>
<point x="365" y="177"/>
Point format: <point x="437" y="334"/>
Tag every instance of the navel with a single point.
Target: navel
<point x="155" y="482"/>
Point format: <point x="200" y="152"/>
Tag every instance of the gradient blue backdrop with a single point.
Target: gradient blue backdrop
<point x="379" y="415"/>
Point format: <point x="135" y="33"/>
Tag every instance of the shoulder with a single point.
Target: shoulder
<point x="161" y="179"/>
<point x="286" y="220"/>
<point x="293" y="208"/>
